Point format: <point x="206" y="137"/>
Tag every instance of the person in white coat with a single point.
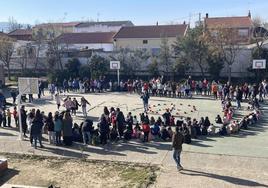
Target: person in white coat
<point x="58" y="100"/>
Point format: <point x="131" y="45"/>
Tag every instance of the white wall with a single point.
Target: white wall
<point x="107" y="47"/>
<point x="242" y="61"/>
<point x="96" y="28"/>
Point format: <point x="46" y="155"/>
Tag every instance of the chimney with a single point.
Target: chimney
<point x="157" y="23"/>
<point x="249" y="14"/>
<point x="184" y="23"/>
<point x="206" y="15"/>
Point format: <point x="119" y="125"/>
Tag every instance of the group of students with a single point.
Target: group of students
<point x="80" y="85"/>
<point x="230" y="126"/>
<point x="57" y="126"/>
<point x="114" y="126"/>
<point x="164" y="88"/>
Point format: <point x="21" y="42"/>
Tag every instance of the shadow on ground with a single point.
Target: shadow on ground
<point x="229" y="179"/>
<point x="7" y="175"/>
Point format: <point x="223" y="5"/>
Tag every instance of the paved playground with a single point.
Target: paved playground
<point x="236" y="160"/>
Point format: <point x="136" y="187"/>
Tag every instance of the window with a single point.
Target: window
<point x="145" y="42"/>
<point x="243" y="32"/>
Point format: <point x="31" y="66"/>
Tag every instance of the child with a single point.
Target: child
<point x="75" y="106"/>
<point x="113" y="119"/>
<point x="57" y="98"/>
<point x="136" y="131"/>
<point x="170" y="132"/>
<point x="8" y="118"/>
<point x="95" y="137"/>
<point x="15" y="116"/>
<point x="146" y="131"/>
<point x="135" y="121"/>
<point x="172" y="121"/>
<point x="4" y="120"/>
<point x="211" y="129"/>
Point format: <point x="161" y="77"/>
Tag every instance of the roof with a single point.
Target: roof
<point x="108" y="23"/>
<point x="64" y="24"/>
<point x="229" y="22"/>
<point x="86" y="38"/>
<point x="155" y="31"/>
<point x="20" y="32"/>
<point x="3" y="34"/>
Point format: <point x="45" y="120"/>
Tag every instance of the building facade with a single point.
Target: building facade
<point x="241" y="28"/>
<point x="148" y="37"/>
<point x="95" y="41"/>
<point x="107" y="26"/>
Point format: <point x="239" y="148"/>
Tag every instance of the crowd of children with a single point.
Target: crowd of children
<point x="113" y="125"/>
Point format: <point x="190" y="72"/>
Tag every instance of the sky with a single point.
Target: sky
<point x="140" y="12"/>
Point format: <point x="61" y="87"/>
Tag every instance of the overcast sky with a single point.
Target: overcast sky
<point x="140" y="12"/>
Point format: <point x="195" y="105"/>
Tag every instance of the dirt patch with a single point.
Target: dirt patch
<point x="62" y="172"/>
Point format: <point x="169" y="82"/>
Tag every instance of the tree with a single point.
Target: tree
<point x="54" y="54"/>
<point x="73" y="66"/>
<point x="84" y="71"/>
<point x="98" y="66"/>
<point x="165" y="55"/>
<point x="260" y="35"/>
<point x="123" y="55"/>
<point x="131" y="61"/>
<point x="13" y="24"/>
<point x="153" y="67"/>
<point x="193" y="49"/>
<point x="180" y="66"/>
<point x="228" y="45"/>
<point x="215" y="57"/>
<point x="54" y="49"/>
<point x="138" y="57"/>
<point x="26" y="53"/>
<point x="215" y="65"/>
<point x="6" y="51"/>
<point x="39" y="39"/>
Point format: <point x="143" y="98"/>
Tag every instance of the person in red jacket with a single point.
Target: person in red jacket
<point x="146" y="130"/>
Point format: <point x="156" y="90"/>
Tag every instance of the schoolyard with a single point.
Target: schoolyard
<point x="211" y="161"/>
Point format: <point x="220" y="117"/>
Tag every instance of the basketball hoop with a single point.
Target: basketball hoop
<point x="259" y="64"/>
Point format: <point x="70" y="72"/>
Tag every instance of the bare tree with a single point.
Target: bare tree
<point x="165" y="55"/>
<point x="6" y="51"/>
<point x="192" y="50"/>
<point x="55" y="49"/>
<point x="39" y="39"/>
<point x="13" y="24"/>
<point x="26" y="53"/>
<point x="228" y="46"/>
<point x="260" y="33"/>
